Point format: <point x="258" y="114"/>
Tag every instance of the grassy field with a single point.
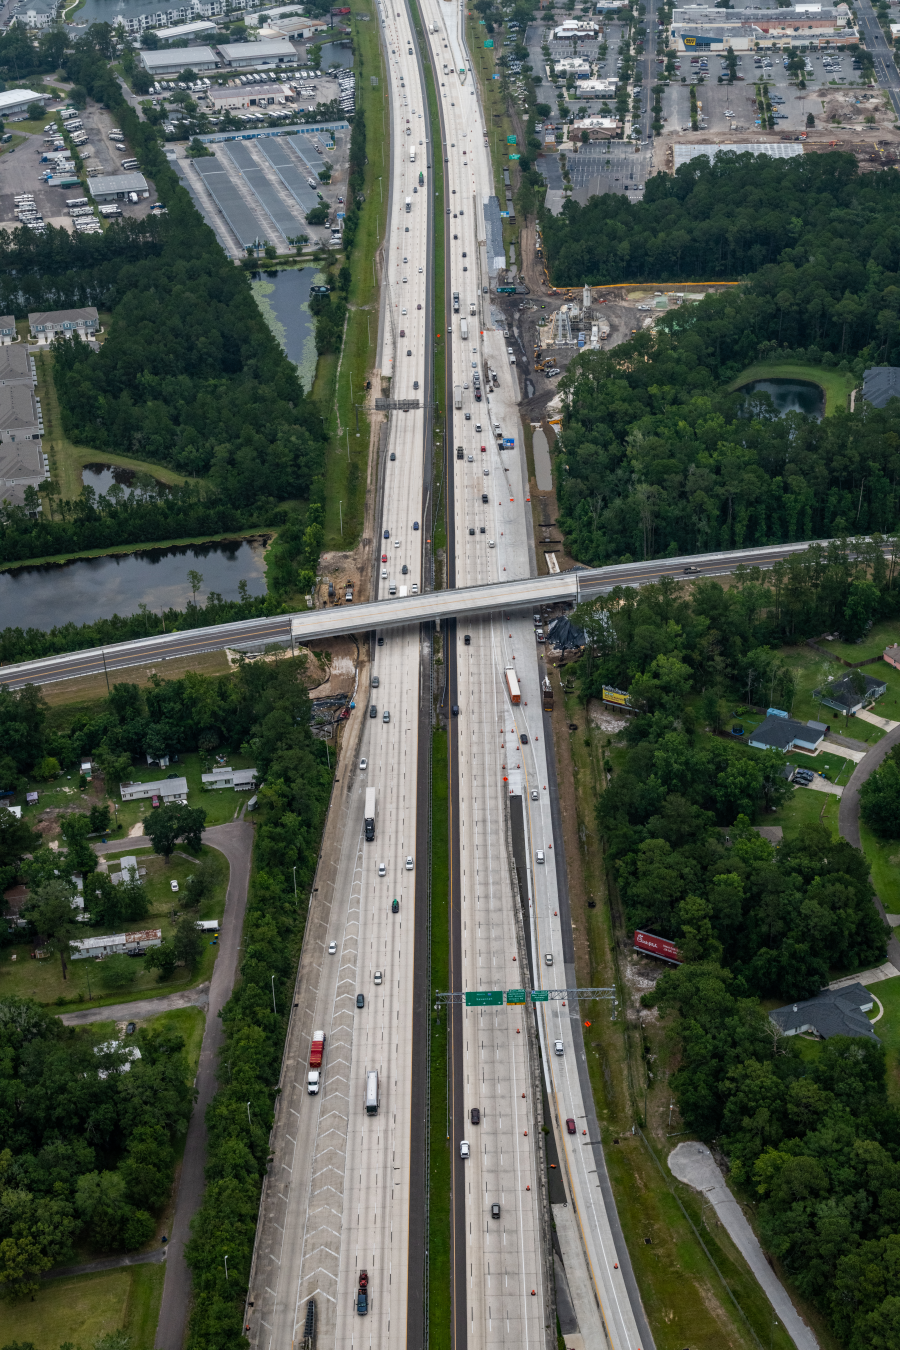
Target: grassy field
<point x="67" y="459"/>
<point x="439" y="1264"/>
<point x="42" y="980"/>
<point x="344" y="381"/>
<point x="497" y="120"/>
<point x="186" y="1022"/>
<point x="81" y="1308"/>
<point x="887" y="1029"/>
<point x="836" y="386"/>
<point x="884" y="857"/>
<point x="813" y="669"/>
<point x="879" y="636"/>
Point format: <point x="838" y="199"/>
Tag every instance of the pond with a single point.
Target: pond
<point x="95" y="588"/>
<point x="101" y="477"/>
<point x="791" y="396"/>
<point x="283" y="298"/>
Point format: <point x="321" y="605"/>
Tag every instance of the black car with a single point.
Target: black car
<point x="484" y="497"/>
<point x="373" y="711"/>
<point x="475" y="1116"/>
<point x="495" y="1210"/>
<point x="360" y="1000"/>
<point x="455" y="709"/>
<point x="387" y="534"/>
<point x="404" y="570"/>
<point x="395" y="906"/>
<point x="471" y="529"/>
<point x="524" y="739"/>
<point x="467" y="640"/>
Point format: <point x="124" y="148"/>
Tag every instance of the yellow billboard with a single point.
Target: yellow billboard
<point x="617" y="696"/>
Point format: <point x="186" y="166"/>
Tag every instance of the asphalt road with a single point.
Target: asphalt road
<point x="236" y="842"/>
<point x="879" y="47"/>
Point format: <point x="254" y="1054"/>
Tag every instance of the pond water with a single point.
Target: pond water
<point x="791" y="396"/>
<point x="283" y="298"/>
<point x="101" y="477"/>
<point x="96" y="588"/>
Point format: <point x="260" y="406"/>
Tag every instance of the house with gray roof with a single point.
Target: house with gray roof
<point x="833" y="1012"/>
<point x="787" y="734"/>
<point x="843" y="696"/>
<point x="16" y="365"/>
<point x="880" y="384"/>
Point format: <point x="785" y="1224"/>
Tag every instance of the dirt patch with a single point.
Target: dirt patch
<point x="339" y="661"/>
<point x="601" y="715"/>
<point x="343" y="569"/>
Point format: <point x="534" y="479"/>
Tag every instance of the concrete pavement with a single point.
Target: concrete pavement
<point x="694" y="1164"/>
<point x="236" y="842"/>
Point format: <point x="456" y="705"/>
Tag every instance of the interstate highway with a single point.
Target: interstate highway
<point x="344" y="1190"/>
<point x="483" y="597"/>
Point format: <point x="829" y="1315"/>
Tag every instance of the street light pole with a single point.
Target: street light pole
<point x="295" y="881"/>
<point x="226" y="1267"/>
<point x="249" y="1121"/>
<point x="274" y="1009"/>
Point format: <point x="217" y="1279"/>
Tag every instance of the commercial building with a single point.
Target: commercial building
<point x="176" y="59"/>
<point x="14" y="102"/>
<point x="48" y="324"/>
<point x="597" y="128"/>
<point x="569" y="65"/>
<point x="185" y="30"/>
<point x="576" y="28"/>
<point x="36" y="13"/>
<point x="20" y="414"/>
<point x="880" y="384"/>
<point x="242" y="780"/>
<point x="231" y="96"/>
<point x="593" y="89"/>
<point x="300" y="30"/>
<point x="257" y="55"/>
<point x="115" y="187"/>
<point x="845" y="698"/>
<point x="166" y="790"/>
<point x="834" y="1012"/>
<point x="7" y="330"/>
<point x="704" y="28"/>
<point x="785" y="734"/>
<point x="16" y="366"/>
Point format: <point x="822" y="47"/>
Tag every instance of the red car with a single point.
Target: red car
<point x="384" y="557"/>
<point x="570" y="1125"/>
<point x="403" y="332"/>
<point x="483" y="449"/>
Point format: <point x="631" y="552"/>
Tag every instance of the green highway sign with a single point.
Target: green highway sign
<point x="540" y="996"/>
<point x="515" y="995"/>
<point x="489" y="42"/>
<point x="485" y="998"/>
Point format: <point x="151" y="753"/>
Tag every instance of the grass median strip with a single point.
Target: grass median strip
<point x="439" y="1218"/>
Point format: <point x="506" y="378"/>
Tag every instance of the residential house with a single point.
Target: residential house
<point x="117" y="944"/>
<point x="845" y="698"/>
<point x="47" y="325"/>
<point x="833" y="1012"/>
<point x="16" y="366"/>
<point x="786" y="734"/>
<point x="7" y="330"/>
<point x="166" y="789"/>
<point x="880" y="384"/>
<point x="242" y="780"/>
<point x="892" y="655"/>
<point x="20" y="414"/>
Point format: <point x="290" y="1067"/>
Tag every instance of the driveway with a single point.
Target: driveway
<point x="198" y="997"/>
<point x="848" y="815"/>
<point x="694" y="1164"/>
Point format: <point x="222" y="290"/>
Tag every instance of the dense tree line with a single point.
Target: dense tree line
<point x="657" y="458"/>
<point x="813" y="1141"/>
<point x="60" y="270"/>
<point x="879" y="798"/>
<point x="88" y="1147"/>
<point x="292" y="808"/>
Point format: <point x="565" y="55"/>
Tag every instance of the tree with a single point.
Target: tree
<point x="80" y="857"/>
<point x="172" y="822"/>
<point x="314" y="54"/>
<point x="161" y="958"/>
<point x="16" y="839"/>
<point x="54" y="916"/>
<point x="117" y="972"/>
<point x="35" y="112"/>
<point x="195" y="580"/>
<point x="99" y="819"/>
<point x="100" y="1200"/>
<point x="188" y="942"/>
<point x="200" y="884"/>
<point x="879" y="798"/>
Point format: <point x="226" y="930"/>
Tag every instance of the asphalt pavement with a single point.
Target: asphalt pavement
<point x="235" y="841"/>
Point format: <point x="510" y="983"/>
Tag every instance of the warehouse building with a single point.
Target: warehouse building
<point x="704" y="28"/>
<point x="258" y="55"/>
<point x="14" y="102"/>
<point x="230" y="96"/>
<point x="177" y="59"/>
<point x="117" y="187"/>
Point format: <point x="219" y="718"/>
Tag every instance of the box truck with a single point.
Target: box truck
<point x="457" y="396"/>
<point x="372" y="1092"/>
<point x="512" y="684"/>
<point x="464" y="330"/>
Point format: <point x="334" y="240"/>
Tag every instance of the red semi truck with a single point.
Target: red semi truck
<point x="316" y="1055"/>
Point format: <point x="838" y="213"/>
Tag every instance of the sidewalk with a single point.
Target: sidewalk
<point x="694" y="1164"/>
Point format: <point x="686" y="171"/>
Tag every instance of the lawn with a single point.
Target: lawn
<point x="812" y="670"/>
<point x="883" y="857"/>
<point x="888" y="1030"/>
<point x="81" y="1308"/>
<point x="804" y="806"/>
<point x="440" y="1271"/>
<point x="879" y="636"/>
<point x="42" y="980"/>
<point x="186" y="1022"/>
<point x="837" y="387"/>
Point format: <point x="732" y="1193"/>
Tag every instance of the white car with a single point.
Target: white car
<point x="464" y="1148"/>
<point x="378" y="977"/>
<point x="491" y="544"/>
<point x="384" y="574"/>
<point x="548" y="958"/>
<point x="332" y="948"/>
<point x="409" y="864"/>
<point x="363" y="763"/>
<point x="539" y="856"/>
<point x="558" y="1048"/>
<point x="174" y="885"/>
<point x="534" y="794"/>
<point x="381" y="869"/>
